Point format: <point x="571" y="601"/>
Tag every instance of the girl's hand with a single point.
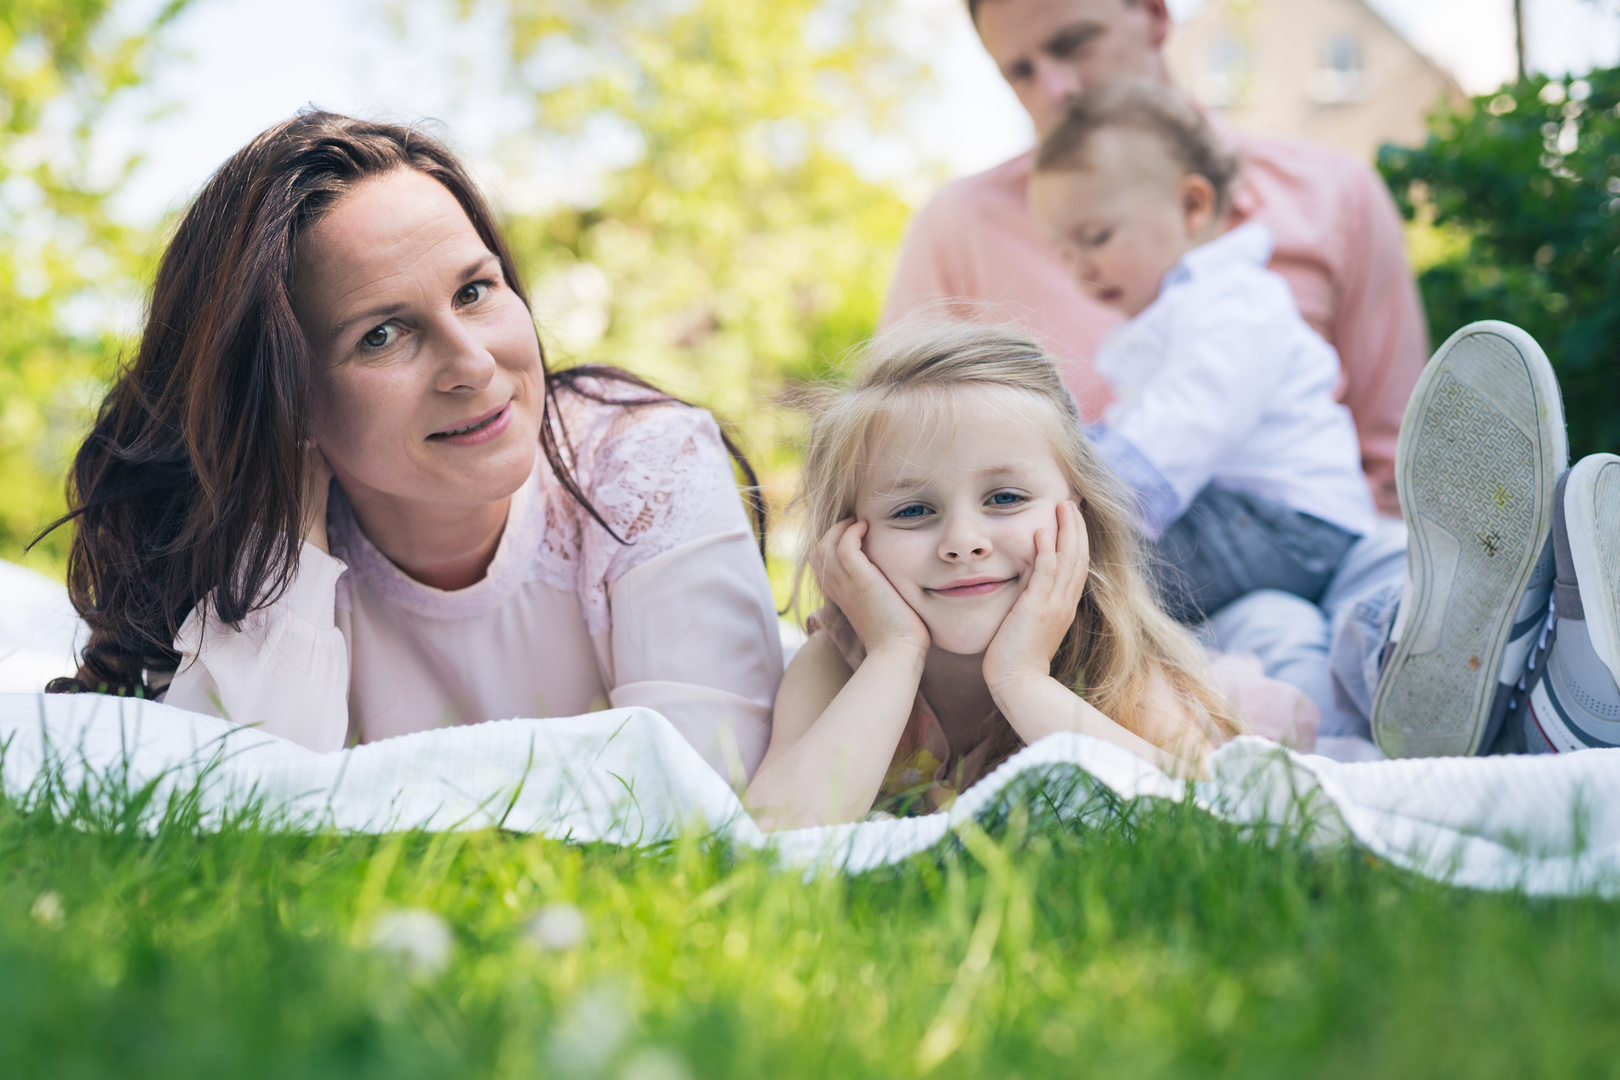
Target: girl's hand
<point x="1034" y="628"/>
<point x="879" y="615"/>
<point x="317" y="485"/>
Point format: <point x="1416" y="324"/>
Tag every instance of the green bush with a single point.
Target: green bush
<point x="1524" y="187"/>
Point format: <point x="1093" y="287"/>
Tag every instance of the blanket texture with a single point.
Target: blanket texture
<point x="1546" y="825"/>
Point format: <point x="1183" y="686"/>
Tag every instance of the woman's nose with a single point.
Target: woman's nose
<point x="466" y="364"/>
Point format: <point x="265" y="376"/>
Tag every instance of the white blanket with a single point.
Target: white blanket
<point x="1547" y="825"/>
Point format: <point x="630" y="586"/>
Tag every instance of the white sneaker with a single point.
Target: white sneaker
<point x="1575" y="694"/>
<point x="1479" y="454"/>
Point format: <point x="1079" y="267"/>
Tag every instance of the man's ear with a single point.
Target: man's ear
<point x="1198" y="208"/>
<point x="1158" y="13"/>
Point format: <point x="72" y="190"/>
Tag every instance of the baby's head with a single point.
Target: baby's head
<point x="955" y="444"/>
<point x="1128" y="183"/>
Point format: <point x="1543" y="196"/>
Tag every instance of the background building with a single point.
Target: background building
<point x="1332" y="70"/>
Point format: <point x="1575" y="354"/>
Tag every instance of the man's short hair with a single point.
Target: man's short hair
<point x="1152" y="109"/>
<point x="973" y="8"/>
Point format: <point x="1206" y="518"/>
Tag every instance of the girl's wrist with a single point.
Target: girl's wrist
<point x="1007" y="688"/>
<point x="905" y="654"/>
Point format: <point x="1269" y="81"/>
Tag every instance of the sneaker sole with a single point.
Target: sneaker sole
<point x="1477" y="462"/>
<point x="1592" y="518"/>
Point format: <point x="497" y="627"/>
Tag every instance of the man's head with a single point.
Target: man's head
<point x="1049" y="51"/>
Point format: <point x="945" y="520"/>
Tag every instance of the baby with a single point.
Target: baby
<point x="1246" y="471"/>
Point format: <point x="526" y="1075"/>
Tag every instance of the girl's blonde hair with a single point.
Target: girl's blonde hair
<point x="1120" y="634"/>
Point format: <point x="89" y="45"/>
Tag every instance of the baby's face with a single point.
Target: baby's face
<point x="952" y="510"/>
<point x="1117" y="217"/>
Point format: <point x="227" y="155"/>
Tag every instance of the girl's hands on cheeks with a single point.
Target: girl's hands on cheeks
<point x="1030" y="635"/>
<point x="878" y="613"/>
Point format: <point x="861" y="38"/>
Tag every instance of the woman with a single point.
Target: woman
<point x="339" y="497"/>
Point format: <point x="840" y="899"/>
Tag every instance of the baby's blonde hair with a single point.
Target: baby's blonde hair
<point x="1152" y="109"/>
<point x="1120" y="634"/>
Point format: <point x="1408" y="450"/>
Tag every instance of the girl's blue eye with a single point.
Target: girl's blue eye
<point x="1005" y="498"/>
<point x="911" y="512"/>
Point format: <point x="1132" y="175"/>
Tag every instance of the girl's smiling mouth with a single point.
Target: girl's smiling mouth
<point x="972" y="587"/>
<point x="476" y="430"/>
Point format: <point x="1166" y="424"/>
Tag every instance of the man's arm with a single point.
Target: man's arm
<point x="924" y="279"/>
<point x="1379" y="330"/>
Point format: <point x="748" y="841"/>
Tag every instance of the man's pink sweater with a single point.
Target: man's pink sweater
<point x="975" y="252"/>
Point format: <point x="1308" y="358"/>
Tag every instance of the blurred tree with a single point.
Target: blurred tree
<point x="62" y="258"/>
<point x="1521" y="193"/>
<point x="732" y="253"/>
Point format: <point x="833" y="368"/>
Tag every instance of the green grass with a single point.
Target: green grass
<point x="1158" y="942"/>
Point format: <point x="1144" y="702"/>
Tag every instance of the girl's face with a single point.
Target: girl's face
<point x="952" y="509"/>
<point x="428" y="380"/>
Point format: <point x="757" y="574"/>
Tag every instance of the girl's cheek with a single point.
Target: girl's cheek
<point x="893" y="553"/>
<point x="887" y="557"/>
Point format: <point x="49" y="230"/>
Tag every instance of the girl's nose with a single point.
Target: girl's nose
<point x="964" y="543"/>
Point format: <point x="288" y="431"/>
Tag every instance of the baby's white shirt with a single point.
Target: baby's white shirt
<point x="1220" y="381"/>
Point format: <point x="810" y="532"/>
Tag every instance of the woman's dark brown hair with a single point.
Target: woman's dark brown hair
<point x="189" y="485"/>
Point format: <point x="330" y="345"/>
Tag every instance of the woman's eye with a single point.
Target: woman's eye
<point x="1100" y="238"/>
<point x="471" y="294"/>
<point x="378" y="336"/>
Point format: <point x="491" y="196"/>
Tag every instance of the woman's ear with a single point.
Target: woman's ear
<point x="1198" y="210"/>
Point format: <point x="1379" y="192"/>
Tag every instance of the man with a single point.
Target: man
<point x="975" y="251"/>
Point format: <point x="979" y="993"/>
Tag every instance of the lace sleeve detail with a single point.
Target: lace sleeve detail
<point x="651" y="473"/>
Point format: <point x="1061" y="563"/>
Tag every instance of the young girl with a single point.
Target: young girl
<point x="984" y="588"/>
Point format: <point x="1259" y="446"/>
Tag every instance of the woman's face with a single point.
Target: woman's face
<point x="428" y="380"/>
<point x="952" y="510"/>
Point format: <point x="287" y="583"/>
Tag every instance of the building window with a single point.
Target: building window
<point x="1341" y="78"/>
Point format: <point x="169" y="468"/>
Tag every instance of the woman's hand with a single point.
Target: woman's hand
<point x="1034" y="628"/>
<point x="879" y="615"/>
<point x="317" y="484"/>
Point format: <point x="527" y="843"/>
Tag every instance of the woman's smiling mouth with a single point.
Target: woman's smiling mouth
<point x="478" y="430"/>
<point x="972" y="587"/>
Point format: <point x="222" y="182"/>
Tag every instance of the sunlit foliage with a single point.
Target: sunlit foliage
<point x="1522" y="191"/>
<point x="64" y="263"/>
<point x="735" y="254"/>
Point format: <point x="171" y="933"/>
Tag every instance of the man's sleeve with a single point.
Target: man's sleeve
<point x="924" y="277"/>
<point x="1380" y="331"/>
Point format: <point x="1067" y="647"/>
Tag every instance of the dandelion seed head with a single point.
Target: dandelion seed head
<point x="420" y="939"/>
<point x="558" y="928"/>
<point x="48" y="909"/>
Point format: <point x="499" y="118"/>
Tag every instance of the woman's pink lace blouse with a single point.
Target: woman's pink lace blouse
<point x="567" y="620"/>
